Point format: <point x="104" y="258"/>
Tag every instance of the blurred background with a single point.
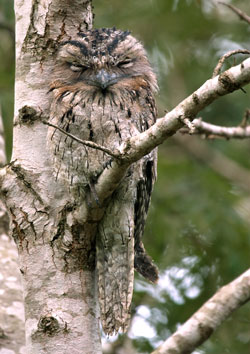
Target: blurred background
<point x="198" y="226"/>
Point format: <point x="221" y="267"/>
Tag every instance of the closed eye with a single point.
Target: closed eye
<point x="126" y="63"/>
<point x="77" y="67"/>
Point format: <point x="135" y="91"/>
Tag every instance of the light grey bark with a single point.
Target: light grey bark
<point x="59" y="286"/>
<point x="240" y="132"/>
<point x="11" y="300"/>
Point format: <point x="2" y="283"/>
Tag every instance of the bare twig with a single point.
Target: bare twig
<point x="188" y="124"/>
<point x="242" y="15"/>
<point x="227" y="55"/>
<point x="88" y="143"/>
<point x="241" y="132"/>
<point x="209" y="317"/>
<point x="245" y="119"/>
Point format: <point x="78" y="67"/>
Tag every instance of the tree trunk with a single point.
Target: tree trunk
<point x="54" y="243"/>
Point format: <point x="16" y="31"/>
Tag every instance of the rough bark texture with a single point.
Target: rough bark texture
<point x="59" y="288"/>
<point x="11" y="300"/>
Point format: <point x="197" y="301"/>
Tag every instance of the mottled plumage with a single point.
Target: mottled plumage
<point x="103" y="89"/>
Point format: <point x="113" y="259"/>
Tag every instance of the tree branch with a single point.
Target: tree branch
<point x="229" y="81"/>
<point x="242" y="15"/>
<point x="208" y="318"/>
<point x="219" y="131"/>
<point x="140" y="145"/>
<point x="88" y="143"/>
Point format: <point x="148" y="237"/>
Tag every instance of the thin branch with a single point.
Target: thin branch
<point x="242" y="15"/>
<point x="88" y="143"/>
<point x="245" y="120"/>
<point x="188" y="124"/>
<point x="209" y="317"/>
<point x="227" y="55"/>
<point x="225" y="132"/>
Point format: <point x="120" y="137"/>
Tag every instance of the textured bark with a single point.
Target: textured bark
<point x="12" y="336"/>
<point x="59" y="286"/>
<point x="11" y="300"/>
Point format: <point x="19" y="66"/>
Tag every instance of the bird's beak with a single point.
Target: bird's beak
<point x="103" y="79"/>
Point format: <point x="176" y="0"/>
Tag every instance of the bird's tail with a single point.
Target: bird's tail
<point x="115" y="266"/>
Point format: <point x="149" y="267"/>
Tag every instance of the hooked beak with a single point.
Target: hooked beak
<point x="103" y="79"/>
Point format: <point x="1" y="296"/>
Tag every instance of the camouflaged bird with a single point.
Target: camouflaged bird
<point x="103" y="88"/>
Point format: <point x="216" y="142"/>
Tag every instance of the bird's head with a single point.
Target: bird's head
<point x="102" y="61"/>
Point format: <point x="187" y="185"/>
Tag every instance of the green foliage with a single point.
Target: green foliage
<point x="198" y="227"/>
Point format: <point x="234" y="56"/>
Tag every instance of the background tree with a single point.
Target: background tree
<point x="201" y="220"/>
